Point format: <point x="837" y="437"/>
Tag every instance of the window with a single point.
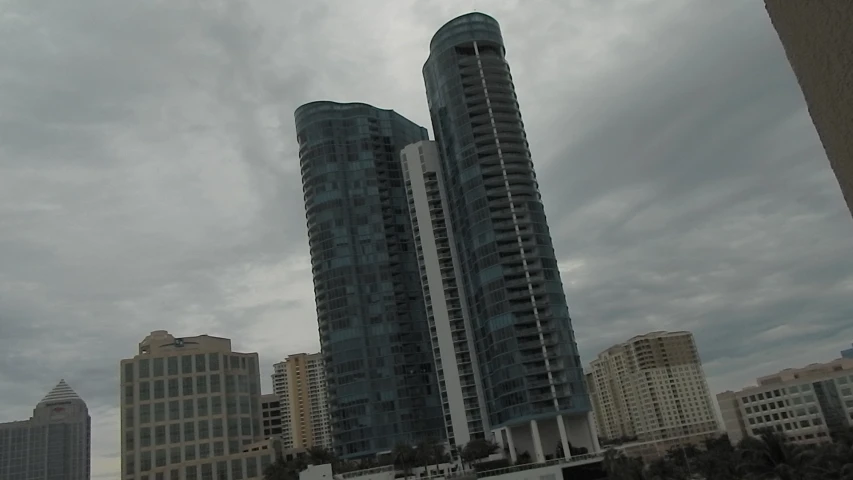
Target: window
<point x="129" y="466"/>
<point x="199" y="363"/>
<point x="144" y="391"/>
<point x="846" y="392"/>
<point x="187" y="386"/>
<point x="207" y="471"/>
<point x="172" y="365"/>
<point x="230" y="384"/>
<point x="128" y="417"/>
<point x="158" y="367"/>
<point x="213" y="361"/>
<point x="203" y="430"/>
<point x="145" y="436"/>
<point x="222" y="469"/>
<point x="244" y="405"/>
<point x="145" y="461"/>
<point x="246" y="425"/>
<point x="159" y="390"/>
<point x="128" y="372"/>
<point x="128" y="394"/>
<point x="233" y="428"/>
<point x="235" y="363"/>
<point x="191" y="472"/>
<point x="160" y="458"/>
<point x="189" y="452"/>
<point x="175" y="433"/>
<point x="201" y="407"/>
<point x="215" y="405"/>
<point x="808" y="398"/>
<point x="218" y="449"/>
<point x="231" y="406"/>
<point x="174" y="410"/>
<point x="160" y="435"/>
<point x="215" y="386"/>
<point x="201" y="384"/>
<point x="797" y="401"/>
<point x="251" y="467"/>
<point x="144" y="368"/>
<point x="186" y="364"/>
<point x="174" y="390"/>
<point x="188" y="408"/>
<point x="160" y="412"/>
<point x="216" y="424"/>
<point x="203" y="450"/>
<point x="175" y="455"/>
<point x="237" y="469"/>
<point x="145" y="413"/>
<point x="129" y="440"/>
<point x="175" y="474"/>
<point x="243" y="383"/>
<point x="189" y="431"/>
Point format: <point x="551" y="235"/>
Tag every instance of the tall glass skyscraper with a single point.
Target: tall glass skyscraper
<point x="531" y="372"/>
<point x="373" y="327"/>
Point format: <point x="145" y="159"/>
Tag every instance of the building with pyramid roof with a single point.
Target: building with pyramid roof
<point x="55" y="443"/>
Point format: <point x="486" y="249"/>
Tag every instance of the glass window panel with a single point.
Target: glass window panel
<point x="187" y="386"/>
<point x="144" y="368"/>
<point x="189" y="452"/>
<point x="145" y="413"/>
<point x="218" y="449"/>
<point x="144" y="391"/>
<point x="145" y="436"/>
<point x="203" y="430"/>
<point x="189" y="431"/>
<point x="174" y="410"/>
<point x="207" y="471"/>
<point x="200" y="364"/>
<point x="145" y="460"/>
<point x="201" y="407"/>
<point x="160" y="435"/>
<point x="160" y="458"/>
<point x="215" y="405"/>
<point x="191" y="472"/>
<point x="201" y="384"/>
<point x="186" y="364"/>
<point x="203" y="450"/>
<point x="251" y="467"/>
<point x="158" y="367"/>
<point x="213" y="361"/>
<point x="215" y="386"/>
<point x="244" y="405"/>
<point x="237" y="469"/>
<point x="175" y="433"/>
<point x="128" y="417"/>
<point x="172" y="365"/>
<point x="188" y="408"/>
<point x="128" y="394"/>
<point x="216" y="424"/>
<point x="128" y="372"/>
<point x="159" y="389"/>
<point x="175" y="454"/>
<point x="174" y="388"/>
<point x="160" y="412"/>
<point x="129" y="443"/>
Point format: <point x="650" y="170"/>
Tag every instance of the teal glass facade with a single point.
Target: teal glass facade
<point x="523" y="333"/>
<point x="370" y="310"/>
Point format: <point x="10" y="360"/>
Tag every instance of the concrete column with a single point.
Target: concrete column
<point x="564" y="439"/>
<point x="593" y="433"/>
<point x="537" y="442"/>
<point x="512" y="453"/>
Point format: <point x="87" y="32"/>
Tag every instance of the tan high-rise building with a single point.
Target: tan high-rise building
<point x="651" y="387"/>
<point x="300" y="382"/>
<point x="807" y="404"/>
<point x="191" y="410"/>
<point x="817" y="37"/>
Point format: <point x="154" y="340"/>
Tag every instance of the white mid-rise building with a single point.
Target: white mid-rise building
<point x="452" y="340"/>
<point x="300" y="382"/>
<point x="807" y="404"/>
<point x="652" y="387"/>
<point x="191" y="410"/>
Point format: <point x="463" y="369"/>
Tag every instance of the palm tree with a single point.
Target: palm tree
<point x="478" y="449"/>
<point x="429" y="452"/>
<point x="772" y="457"/>
<point x="405" y="457"/>
<point x="621" y="467"/>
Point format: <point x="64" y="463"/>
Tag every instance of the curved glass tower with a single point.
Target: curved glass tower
<point x="373" y="327"/>
<point x="532" y="374"/>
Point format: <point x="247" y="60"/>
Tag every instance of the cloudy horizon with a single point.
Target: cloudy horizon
<point x="149" y="177"/>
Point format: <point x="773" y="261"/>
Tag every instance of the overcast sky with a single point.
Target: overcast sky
<point x="149" y="177"/>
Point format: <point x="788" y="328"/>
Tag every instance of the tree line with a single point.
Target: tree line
<point x="768" y="456"/>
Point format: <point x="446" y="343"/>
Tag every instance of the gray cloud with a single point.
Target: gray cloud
<point x="149" y="179"/>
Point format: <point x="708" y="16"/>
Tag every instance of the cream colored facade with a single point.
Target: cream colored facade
<point x="807" y="404"/>
<point x="651" y="387"/>
<point x="300" y="383"/>
<point x="191" y="410"/>
<point x="817" y="36"/>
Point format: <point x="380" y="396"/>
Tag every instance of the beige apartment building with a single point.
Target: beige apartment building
<point x="300" y="383"/>
<point x="807" y="404"/>
<point x="652" y="387"/>
<point x="816" y="35"/>
<point x="191" y="410"/>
